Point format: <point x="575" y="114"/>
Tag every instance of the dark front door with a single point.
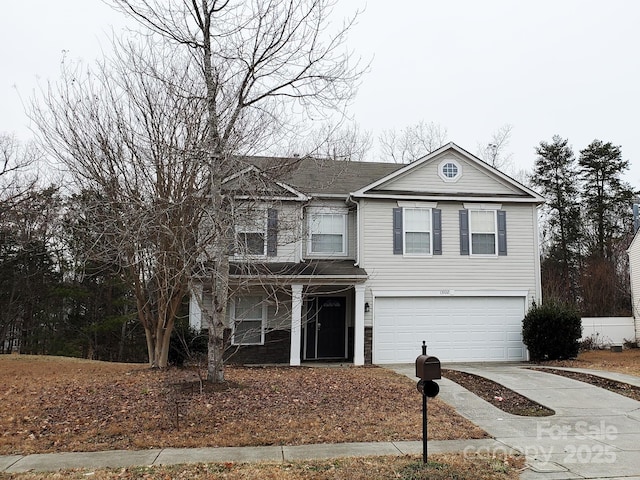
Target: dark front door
<point x="325" y="332"/>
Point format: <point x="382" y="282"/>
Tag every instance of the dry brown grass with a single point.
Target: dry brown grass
<point x="439" y="467"/>
<point x="627" y="361"/>
<point x="54" y="404"/>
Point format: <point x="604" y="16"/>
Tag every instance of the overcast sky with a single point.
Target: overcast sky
<point x="567" y="67"/>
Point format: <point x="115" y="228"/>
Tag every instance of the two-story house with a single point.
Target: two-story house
<point x="361" y="262"/>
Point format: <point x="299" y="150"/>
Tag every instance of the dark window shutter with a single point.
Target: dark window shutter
<point x="437" y="231"/>
<point x="272" y="232"/>
<point x="502" y="232"/>
<point x="397" y="231"/>
<point x="464" y="232"/>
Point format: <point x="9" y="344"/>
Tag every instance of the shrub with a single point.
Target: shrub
<point x="552" y="331"/>
<point x="186" y="344"/>
<point x="594" y="342"/>
<point x="630" y="343"/>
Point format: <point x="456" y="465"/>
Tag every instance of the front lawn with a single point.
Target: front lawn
<point x="627" y="361"/>
<point x="55" y="404"/>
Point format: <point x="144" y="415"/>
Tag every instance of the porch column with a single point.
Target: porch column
<point x="358" y="334"/>
<point x="195" y="312"/>
<point x="296" y="324"/>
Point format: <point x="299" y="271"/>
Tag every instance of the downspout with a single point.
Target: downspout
<point x="632" y="285"/>
<point x="301" y="236"/>
<point x="358" y="236"/>
<point x="536" y="258"/>
<point x="303" y="239"/>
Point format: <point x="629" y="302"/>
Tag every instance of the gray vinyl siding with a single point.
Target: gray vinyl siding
<point x="634" y="270"/>
<point x="289" y="233"/>
<point x="449" y="271"/>
<point x="426" y="178"/>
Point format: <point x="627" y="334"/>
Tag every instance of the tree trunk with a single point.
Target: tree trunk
<point x="163" y="347"/>
<point x="123" y="335"/>
<point x="216" y="345"/>
<point x="150" y="347"/>
<point x="215" y="350"/>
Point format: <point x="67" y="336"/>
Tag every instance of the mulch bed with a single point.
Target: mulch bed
<point x="498" y="395"/>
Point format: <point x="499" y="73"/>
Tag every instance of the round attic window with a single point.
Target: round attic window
<point x="450" y="170"/>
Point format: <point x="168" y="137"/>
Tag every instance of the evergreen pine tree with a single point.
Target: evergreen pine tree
<point x="607" y="199"/>
<point x="555" y="173"/>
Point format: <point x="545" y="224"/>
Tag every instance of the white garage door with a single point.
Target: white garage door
<point x="456" y="329"/>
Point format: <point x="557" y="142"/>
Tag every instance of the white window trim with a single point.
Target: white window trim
<point x="495" y="232"/>
<point x="443" y="176"/>
<point x="420" y="204"/>
<point x="482" y="206"/>
<point x="240" y="228"/>
<point x="327" y="211"/>
<point x="404" y="232"/>
<point x="262" y="325"/>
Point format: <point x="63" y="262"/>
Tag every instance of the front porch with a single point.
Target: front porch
<point x="327" y="324"/>
<point x="294" y="313"/>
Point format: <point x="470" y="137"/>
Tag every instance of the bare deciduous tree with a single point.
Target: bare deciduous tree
<point x="494" y="152"/>
<point x="17" y="171"/>
<point x="338" y="142"/>
<point x="411" y="142"/>
<point x="130" y="133"/>
<point x="262" y="62"/>
<point x="255" y="71"/>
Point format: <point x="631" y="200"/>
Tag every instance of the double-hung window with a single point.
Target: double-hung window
<point x="327" y="233"/>
<point x="251" y="238"/>
<point x="483" y="231"/>
<point x="417" y="231"/>
<point x="249" y="314"/>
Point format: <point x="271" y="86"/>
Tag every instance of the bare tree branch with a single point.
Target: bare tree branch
<point x="18" y="176"/>
<point x="411" y="142"/>
<point x="494" y="152"/>
<point x="157" y="131"/>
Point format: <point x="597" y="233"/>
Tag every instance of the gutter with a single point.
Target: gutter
<point x="454" y="198"/>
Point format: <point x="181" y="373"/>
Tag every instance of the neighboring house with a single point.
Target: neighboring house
<point x="634" y="272"/>
<point x="361" y="262"/>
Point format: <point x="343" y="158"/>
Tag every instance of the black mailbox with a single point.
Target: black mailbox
<point x="428" y="388"/>
<point x="427" y="368"/>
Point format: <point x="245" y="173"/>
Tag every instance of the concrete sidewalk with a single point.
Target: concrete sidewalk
<point x="172" y="456"/>
<point x="594" y="434"/>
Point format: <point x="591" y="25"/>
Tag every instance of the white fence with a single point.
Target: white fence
<point x="609" y="330"/>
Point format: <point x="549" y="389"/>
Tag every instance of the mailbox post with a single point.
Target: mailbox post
<point x="427" y="370"/>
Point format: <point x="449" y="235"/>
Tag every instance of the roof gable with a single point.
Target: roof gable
<point x="250" y="182"/>
<point x="424" y="179"/>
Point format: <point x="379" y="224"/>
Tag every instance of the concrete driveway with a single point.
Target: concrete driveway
<point x="594" y="433"/>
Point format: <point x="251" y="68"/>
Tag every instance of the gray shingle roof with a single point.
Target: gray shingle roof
<point x="323" y="176"/>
